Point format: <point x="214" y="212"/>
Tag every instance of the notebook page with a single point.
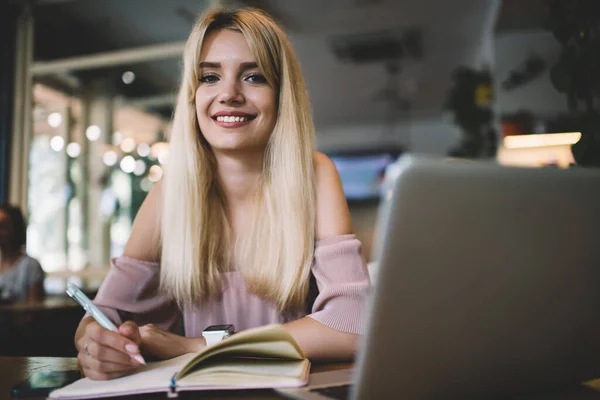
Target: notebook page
<point x="251" y="374"/>
<point x="153" y="377"/>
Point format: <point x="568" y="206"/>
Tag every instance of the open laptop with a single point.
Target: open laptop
<point x="488" y="285"/>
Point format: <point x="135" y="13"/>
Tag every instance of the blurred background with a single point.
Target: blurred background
<point x="88" y="89"/>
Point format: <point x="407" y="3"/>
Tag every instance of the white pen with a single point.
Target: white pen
<point x="86" y="303"/>
<point x="74" y="292"/>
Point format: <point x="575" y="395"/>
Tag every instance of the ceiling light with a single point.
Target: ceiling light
<point x="73" y="149"/>
<point x="128" y="77"/>
<point x="160" y="150"/>
<point x="146" y="185"/>
<point x="157" y="148"/>
<point x="140" y="168"/>
<point x="155" y="173"/>
<point x="54" y="119"/>
<point x="128" y="164"/>
<point x="93" y="132"/>
<point x="143" y="149"/>
<point x="163" y="156"/>
<point x="128" y="145"/>
<point x="110" y="158"/>
<point x="57" y="143"/>
<point x="541" y="140"/>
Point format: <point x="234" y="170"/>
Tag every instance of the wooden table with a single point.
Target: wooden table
<point x="16" y="369"/>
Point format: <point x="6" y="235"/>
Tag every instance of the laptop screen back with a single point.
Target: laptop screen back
<point x="488" y="282"/>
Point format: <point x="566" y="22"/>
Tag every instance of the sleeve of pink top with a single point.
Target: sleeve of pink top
<point x="343" y="282"/>
<point x="130" y="292"/>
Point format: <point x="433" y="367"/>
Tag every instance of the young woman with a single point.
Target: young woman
<point x="21" y="277"/>
<point x="250" y="226"/>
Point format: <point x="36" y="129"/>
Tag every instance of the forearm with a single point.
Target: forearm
<point x="322" y="343"/>
<point x="162" y="344"/>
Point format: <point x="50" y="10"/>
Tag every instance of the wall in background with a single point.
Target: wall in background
<point x="504" y="52"/>
<point x="427" y="136"/>
<point x="537" y="96"/>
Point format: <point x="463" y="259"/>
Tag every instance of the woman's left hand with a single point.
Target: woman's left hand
<point x="162" y="344"/>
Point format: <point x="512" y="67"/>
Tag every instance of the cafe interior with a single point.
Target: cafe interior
<point x="88" y="90"/>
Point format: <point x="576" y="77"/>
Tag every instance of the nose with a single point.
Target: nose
<point x="231" y="93"/>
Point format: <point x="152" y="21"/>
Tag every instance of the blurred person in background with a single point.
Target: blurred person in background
<point x="21" y="277"/>
<point x="249" y="226"/>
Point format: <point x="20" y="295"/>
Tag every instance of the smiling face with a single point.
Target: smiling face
<point x="235" y="105"/>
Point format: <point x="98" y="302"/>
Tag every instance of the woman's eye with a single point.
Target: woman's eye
<point x="209" y="79"/>
<point x="256" y="78"/>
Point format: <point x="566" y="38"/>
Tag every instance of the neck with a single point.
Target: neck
<point x="239" y="176"/>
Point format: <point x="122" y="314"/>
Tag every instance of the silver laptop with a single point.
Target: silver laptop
<point x="488" y="285"/>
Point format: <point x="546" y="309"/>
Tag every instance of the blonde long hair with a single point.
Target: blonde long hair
<point x="277" y="250"/>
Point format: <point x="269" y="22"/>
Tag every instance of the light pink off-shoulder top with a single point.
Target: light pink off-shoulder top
<point x="129" y="292"/>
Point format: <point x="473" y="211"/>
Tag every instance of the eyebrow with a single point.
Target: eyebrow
<point x="244" y="65"/>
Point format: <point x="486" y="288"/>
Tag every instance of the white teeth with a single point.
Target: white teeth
<point x="231" y="118"/>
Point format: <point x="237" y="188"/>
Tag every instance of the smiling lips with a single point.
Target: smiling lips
<point x="232" y="119"/>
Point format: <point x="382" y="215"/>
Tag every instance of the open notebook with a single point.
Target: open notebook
<point x="264" y="357"/>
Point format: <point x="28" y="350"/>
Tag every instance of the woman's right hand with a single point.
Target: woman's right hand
<point x="104" y="354"/>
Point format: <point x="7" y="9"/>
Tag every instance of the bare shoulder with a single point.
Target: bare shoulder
<point x="144" y="241"/>
<point x="332" y="213"/>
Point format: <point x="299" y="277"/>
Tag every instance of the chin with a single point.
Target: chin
<point x="239" y="147"/>
<point x="230" y="142"/>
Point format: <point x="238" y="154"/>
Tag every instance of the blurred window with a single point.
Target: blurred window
<point x="64" y="203"/>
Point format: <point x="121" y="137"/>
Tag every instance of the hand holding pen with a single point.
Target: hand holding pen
<point x="105" y="351"/>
